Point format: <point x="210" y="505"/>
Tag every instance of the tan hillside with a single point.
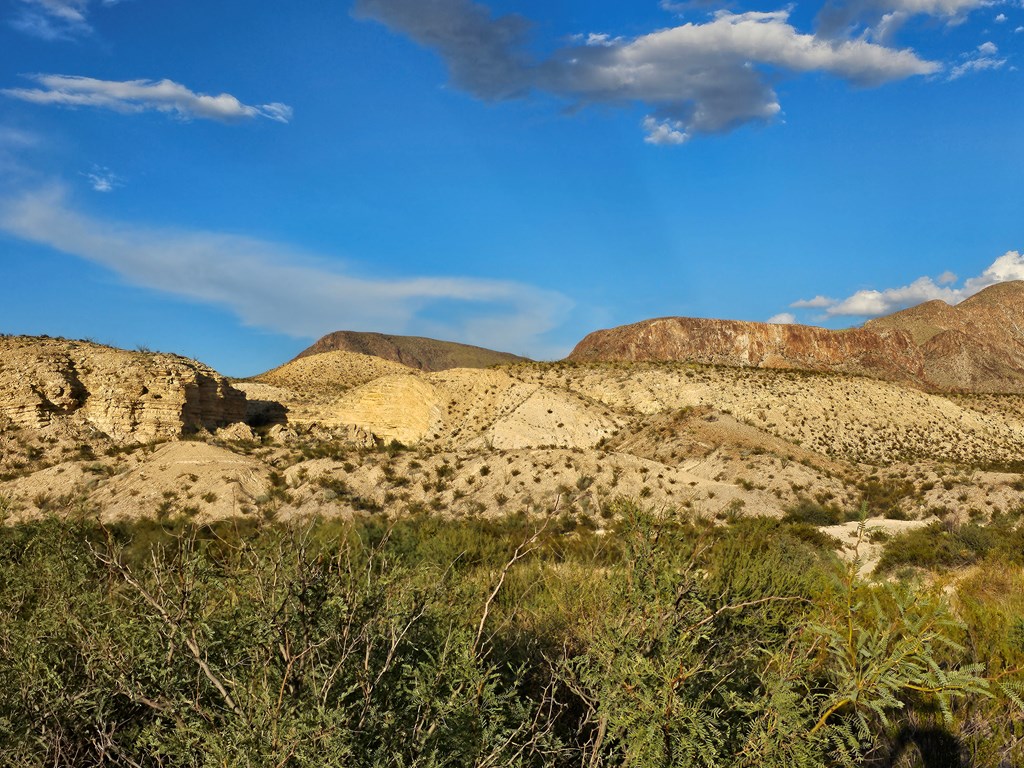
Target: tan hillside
<point x="307" y="389"/>
<point x="413" y="351"/>
<point x="342" y="433"/>
<point x="330" y="372"/>
<point x="404" y="408"/>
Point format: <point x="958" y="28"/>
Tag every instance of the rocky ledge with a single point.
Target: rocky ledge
<point x="130" y="396"/>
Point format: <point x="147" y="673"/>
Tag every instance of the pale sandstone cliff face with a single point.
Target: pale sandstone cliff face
<point x="130" y="396"/>
<point x="976" y="346"/>
<point x="403" y="408"/>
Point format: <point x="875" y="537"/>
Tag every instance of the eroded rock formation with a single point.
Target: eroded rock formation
<point x="127" y="395"/>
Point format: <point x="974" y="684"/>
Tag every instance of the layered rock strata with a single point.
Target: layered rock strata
<point x="126" y="395"/>
<point x="884" y="354"/>
<point x="976" y="346"/>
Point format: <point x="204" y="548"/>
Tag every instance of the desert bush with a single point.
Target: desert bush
<point x="883" y="497"/>
<point x="936" y="547"/>
<point x="517" y="641"/>
<point x="813" y="512"/>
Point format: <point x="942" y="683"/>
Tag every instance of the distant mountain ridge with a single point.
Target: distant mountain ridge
<point x="975" y="346"/>
<point x="413" y="351"/>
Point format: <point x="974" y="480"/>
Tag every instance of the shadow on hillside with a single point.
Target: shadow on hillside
<point x="937" y="748"/>
<point x="265" y="413"/>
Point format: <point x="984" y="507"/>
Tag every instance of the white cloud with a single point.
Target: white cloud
<point x="873" y="303"/>
<point x="694" y="78"/>
<point x="664" y="132"/>
<point x="271" y="286"/>
<point x="51" y="19"/>
<point x="818" y="302"/>
<point x="103" y="179"/>
<point x="783" y="318"/>
<point x="601" y="39"/>
<point x="1009" y="266"/>
<point x="979" y="61"/>
<point x="143" y="95"/>
<point x="15" y="138"/>
<point x="1000" y="18"/>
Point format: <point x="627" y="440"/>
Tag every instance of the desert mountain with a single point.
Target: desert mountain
<point x="976" y="346"/>
<point x="412" y="351"/>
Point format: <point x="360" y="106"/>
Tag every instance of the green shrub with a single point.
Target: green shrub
<point x="937" y="547"/>
<point x="521" y="641"/>
<point x="813" y="512"/>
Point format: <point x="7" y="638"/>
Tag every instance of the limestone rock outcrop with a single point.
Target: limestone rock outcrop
<point x="402" y="408"/>
<point x="130" y="396"/>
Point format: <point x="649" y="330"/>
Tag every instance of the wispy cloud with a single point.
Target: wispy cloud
<point x="103" y="179"/>
<point x="54" y="19"/>
<point x="694" y="78"/>
<point x="783" y="318"/>
<point x="983" y="58"/>
<point x="881" y="19"/>
<point x="16" y="138"/>
<point x="143" y="95"/>
<point x="873" y="303"/>
<point x="272" y="286"/>
<point x="15" y="143"/>
<point x="51" y="19"/>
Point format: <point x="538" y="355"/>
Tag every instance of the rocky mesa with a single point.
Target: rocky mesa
<point x="975" y="346"/>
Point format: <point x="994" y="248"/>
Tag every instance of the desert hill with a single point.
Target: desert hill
<point x="412" y="351"/>
<point x="346" y="433"/>
<point x="976" y="346"/>
<point x="330" y="372"/>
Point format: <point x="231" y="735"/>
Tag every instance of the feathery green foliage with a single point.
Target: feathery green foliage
<point x="426" y="642"/>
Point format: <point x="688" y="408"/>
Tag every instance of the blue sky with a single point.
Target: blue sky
<point x="229" y="180"/>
